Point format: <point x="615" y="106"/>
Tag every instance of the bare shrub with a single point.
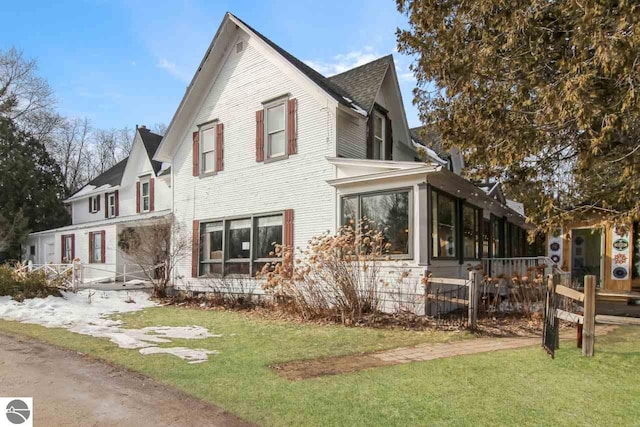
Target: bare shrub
<point x="232" y="292"/>
<point x="337" y="276"/>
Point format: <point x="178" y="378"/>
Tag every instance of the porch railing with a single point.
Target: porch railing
<point x="521" y="267"/>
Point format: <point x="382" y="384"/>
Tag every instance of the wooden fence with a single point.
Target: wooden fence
<point x="453" y="301"/>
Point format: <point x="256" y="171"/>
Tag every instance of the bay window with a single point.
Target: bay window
<point x="387" y="212"/>
<point x="239" y="246"/>
<point x="444" y="225"/>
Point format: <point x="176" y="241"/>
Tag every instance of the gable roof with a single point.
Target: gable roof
<point x="363" y="82"/>
<point x="335" y="91"/>
<point x="151" y="143"/>
<point x="429" y="138"/>
<point x="112" y="176"/>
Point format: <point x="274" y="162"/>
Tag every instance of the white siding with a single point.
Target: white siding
<point x="352" y="137"/>
<point x="245" y="186"/>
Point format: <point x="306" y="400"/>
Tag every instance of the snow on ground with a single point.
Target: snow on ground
<point x="86" y="313"/>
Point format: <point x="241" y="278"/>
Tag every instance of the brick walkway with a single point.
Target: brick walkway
<point x="420" y="353"/>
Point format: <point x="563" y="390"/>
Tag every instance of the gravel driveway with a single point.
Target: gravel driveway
<point x="69" y="389"/>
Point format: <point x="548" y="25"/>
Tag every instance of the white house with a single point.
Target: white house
<point x="265" y="149"/>
<point x="130" y="194"/>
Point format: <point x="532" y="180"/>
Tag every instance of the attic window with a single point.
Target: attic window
<point x="239" y="47"/>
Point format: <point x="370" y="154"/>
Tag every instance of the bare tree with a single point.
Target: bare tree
<point x="26" y="98"/>
<point x="69" y="147"/>
<point x="126" y="136"/>
<point x="156" y="248"/>
<point x="159" y="128"/>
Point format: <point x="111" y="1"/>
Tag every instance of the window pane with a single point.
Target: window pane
<point x="97" y="247"/>
<point x="211" y="241"/>
<point x="277" y="144"/>
<point x="470" y="232"/>
<point x="378" y="126"/>
<point x="211" y="269"/>
<point x="495" y="241"/>
<point x="145" y="203"/>
<point x="349" y="211"/>
<point x="208" y="140"/>
<point x="268" y="232"/>
<point x="389" y="213"/>
<point x="486" y="233"/>
<point x="377" y="149"/>
<point x="209" y="161"/>
<point x="145" y="189"/>
<point x="275" y="118"/>
<point x="236" y="268"/>
<point x="239" y="244"/>
<point x="444" y="230"/>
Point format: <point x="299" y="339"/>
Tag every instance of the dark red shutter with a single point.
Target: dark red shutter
<point x="151" y="195"/>
<point x="195" y="253"/>
<point x="91" y="245"/>
<point x="388" y="140"/>
<point x="102" y="247"/>
<point x="196" y="153"/>
<point x="287" y="238"/>
<point x="220" y="147"/>
<point x="117" y="202"/>
<point x="90" y="200"/>
<point x="138" y="197"/>
<point x="370" y="131"/>
<point x="98" y="197"/>
<point x="292" y="136"/>
<point x="62" y="249"/>
<point x="73" y="247"/>
<point x="259" y="135"/>
<point x="106" y="205"/>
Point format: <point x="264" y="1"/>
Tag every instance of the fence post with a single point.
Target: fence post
<point x="589" y="328"/>
<point x="473" y="299"/>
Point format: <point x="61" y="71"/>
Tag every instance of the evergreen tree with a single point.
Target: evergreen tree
<point x="31" y="187"/>
<point x="543" y="94"/>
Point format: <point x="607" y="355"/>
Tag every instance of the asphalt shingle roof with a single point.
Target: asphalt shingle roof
<point x="338" y="93"/>
<point x="429" y="138"/>
<point x="113" y="175"/>
<point x="363" y="82"/>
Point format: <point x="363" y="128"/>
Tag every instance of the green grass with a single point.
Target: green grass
<point x="523" y="387"/>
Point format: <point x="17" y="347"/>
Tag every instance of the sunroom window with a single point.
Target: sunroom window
<point x="470" y="232"/>
<point x="388" y="212"/>
<point x="443" y="231"/>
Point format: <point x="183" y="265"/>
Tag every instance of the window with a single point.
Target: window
<point x="443" y="231"/>
<point x="497" y="250"/>
<point x="95" y="242"/>
<point x="111" y="204"/>
<point x="67" y="248"/>
<point x="486" y="237"/>
<point x="387" y="212"/>
<point x="32" y="250"/>
<point x="275" y="130"/>
<point x="208" y="144"/>
<point x="145" y="195"/>
<point x="94" y="202"/>
<point x="470" y="232"/>
<point x="378" y="136"/>
<point x="239" y="246"/>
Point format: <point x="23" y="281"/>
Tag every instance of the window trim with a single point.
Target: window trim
<point x="275" y="102"/>
<point x="478" y="231"/>
<point x="210" y="125"/>
<point x="146" y="179"/>
<point x="111" y="197"/>
<point x="225" y="231"/>
<point x="359" y="195"/>
<point x="456" y="225"/>
<point x="68" y="247"/>
<point x="92" y="250"/>
<point x="94" y="203"/>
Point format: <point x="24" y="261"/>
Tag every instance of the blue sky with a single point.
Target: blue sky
<point x="122" y="63"/>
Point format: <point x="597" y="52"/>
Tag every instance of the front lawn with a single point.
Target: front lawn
<point x="523" y="387"/>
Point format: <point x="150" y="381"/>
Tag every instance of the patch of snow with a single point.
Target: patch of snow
<point x="192" y="355"/>
<point x="86" y="313"/>
<point x="358" y="110"/>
